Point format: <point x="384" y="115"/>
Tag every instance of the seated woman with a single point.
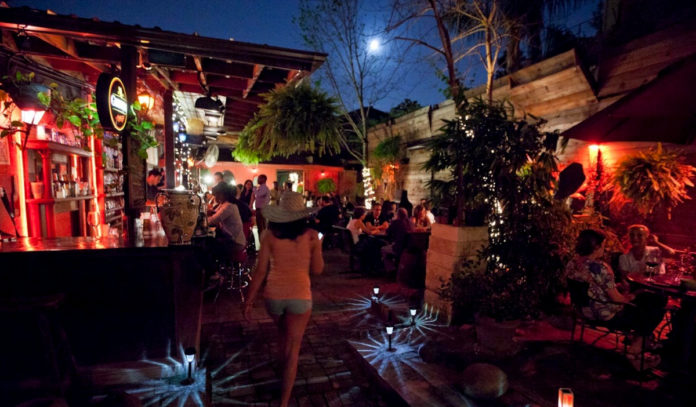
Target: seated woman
<point x="367" y="248"/>
<point x="420" y="219"/>
<point x="356" y="225"/>
<point x="229" y="233"/>
<point x="636" y="311"/>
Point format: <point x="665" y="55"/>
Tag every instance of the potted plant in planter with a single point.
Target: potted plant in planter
<point x="26" y="93"/>
<point x="509" y="170"/>
<point x="28" y="96"/>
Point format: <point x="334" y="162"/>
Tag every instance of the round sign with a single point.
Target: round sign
<point x="112" y="102"/>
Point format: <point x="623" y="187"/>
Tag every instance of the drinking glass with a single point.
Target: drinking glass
<point x="93" y="222"/>
<point x="652" y="263"/>
<point x="684" y="266"/>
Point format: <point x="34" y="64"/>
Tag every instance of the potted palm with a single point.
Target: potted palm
<point x="509" y="166"/>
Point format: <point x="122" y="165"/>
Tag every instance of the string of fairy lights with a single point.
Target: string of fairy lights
<point x="183" y="158"/>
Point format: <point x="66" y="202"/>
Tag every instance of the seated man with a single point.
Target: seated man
<point x="327" y="216"/>
<point x="634" y="261"/>
<point x="397" y="233"/>
<point x="372" y="220"/>
<point x="388" y="212"/>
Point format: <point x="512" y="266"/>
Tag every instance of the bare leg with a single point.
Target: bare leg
<point x="280" y="323"/>
<point x="291" y="335"/>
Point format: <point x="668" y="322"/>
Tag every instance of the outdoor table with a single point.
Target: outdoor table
<point x="683" y="322"/>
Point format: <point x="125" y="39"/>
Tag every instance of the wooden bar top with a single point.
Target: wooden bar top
<point x="35" y="244"/>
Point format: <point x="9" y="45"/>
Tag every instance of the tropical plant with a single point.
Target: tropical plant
<point x="326" y="185"/>
<point x="651" y="179"/>
<point x="295" y="118"/>
<point x="388" y="150"/>
<point x="79" y="113"/>
<point x="507" y="170"/>
<point x="140" y="130"/>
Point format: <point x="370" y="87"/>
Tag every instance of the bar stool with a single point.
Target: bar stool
<point x="235" y="273"/>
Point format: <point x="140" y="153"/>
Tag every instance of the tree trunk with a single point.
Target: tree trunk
<point x="490" y="65"/>
<point x="447" y="48"/>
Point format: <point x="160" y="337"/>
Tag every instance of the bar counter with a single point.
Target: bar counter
<point x="36" y="244"/>
<point x="120" y="301"/>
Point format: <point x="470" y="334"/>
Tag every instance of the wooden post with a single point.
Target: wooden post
<point x="169" y="138"/>
<point x="134" y="179"/>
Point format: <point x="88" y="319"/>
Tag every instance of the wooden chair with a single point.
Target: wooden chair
<point x="580" y="299"/>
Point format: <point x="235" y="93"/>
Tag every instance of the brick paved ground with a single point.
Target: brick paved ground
<point x="241" y="356"/>
<point x="329" y="374"/>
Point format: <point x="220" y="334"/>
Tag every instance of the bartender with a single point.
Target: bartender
<point x="154" y="182"/>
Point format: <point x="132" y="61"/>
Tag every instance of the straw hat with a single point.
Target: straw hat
<point x="290" y="209"/>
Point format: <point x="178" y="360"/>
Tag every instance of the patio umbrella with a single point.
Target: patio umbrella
<point x="661" y="110"/>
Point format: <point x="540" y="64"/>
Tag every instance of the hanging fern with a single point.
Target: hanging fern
<point x="652" y="178"/>
<point x="244" y="153"/>
<point x="388" y="150"/>
<point x="293" y="120"/>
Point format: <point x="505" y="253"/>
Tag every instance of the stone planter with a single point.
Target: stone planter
<point x="448" y="247"/>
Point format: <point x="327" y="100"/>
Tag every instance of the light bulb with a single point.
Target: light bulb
<point x="375" y="289"/>
<point x="390" y="330"/>
<point x="413" y="312"/>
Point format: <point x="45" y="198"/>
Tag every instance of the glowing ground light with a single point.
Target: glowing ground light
<point x="168" y="390"/>
<point x="375" y="351"/>
<point x="421" y="324"/>
<point x="363" y="303"/>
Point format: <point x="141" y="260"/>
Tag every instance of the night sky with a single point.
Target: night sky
<point x="263" y="22"/>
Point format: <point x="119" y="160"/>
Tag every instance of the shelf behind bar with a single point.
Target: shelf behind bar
<point x="114" y="195"/>
<point x="50" y="145"/>
<point x="113" y="218"/>
<point x="58" y="200"/>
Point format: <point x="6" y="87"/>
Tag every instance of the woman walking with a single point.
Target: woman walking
<point x="290" y="251"/>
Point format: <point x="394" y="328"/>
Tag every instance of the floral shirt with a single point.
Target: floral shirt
<point x="601" y="279"/>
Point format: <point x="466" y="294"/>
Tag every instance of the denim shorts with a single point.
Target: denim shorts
<point x="280" y="307"/>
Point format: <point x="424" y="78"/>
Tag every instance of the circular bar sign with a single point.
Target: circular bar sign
<point x="112" y="102"/>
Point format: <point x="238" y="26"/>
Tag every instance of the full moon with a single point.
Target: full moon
<point x="374" y="45"/>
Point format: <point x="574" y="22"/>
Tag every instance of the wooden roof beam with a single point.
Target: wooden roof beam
<point x="201" y="76"/>
<point x="251" y="82"/>
<point x="165" y="77"/>
<point x="67" y="45"/>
